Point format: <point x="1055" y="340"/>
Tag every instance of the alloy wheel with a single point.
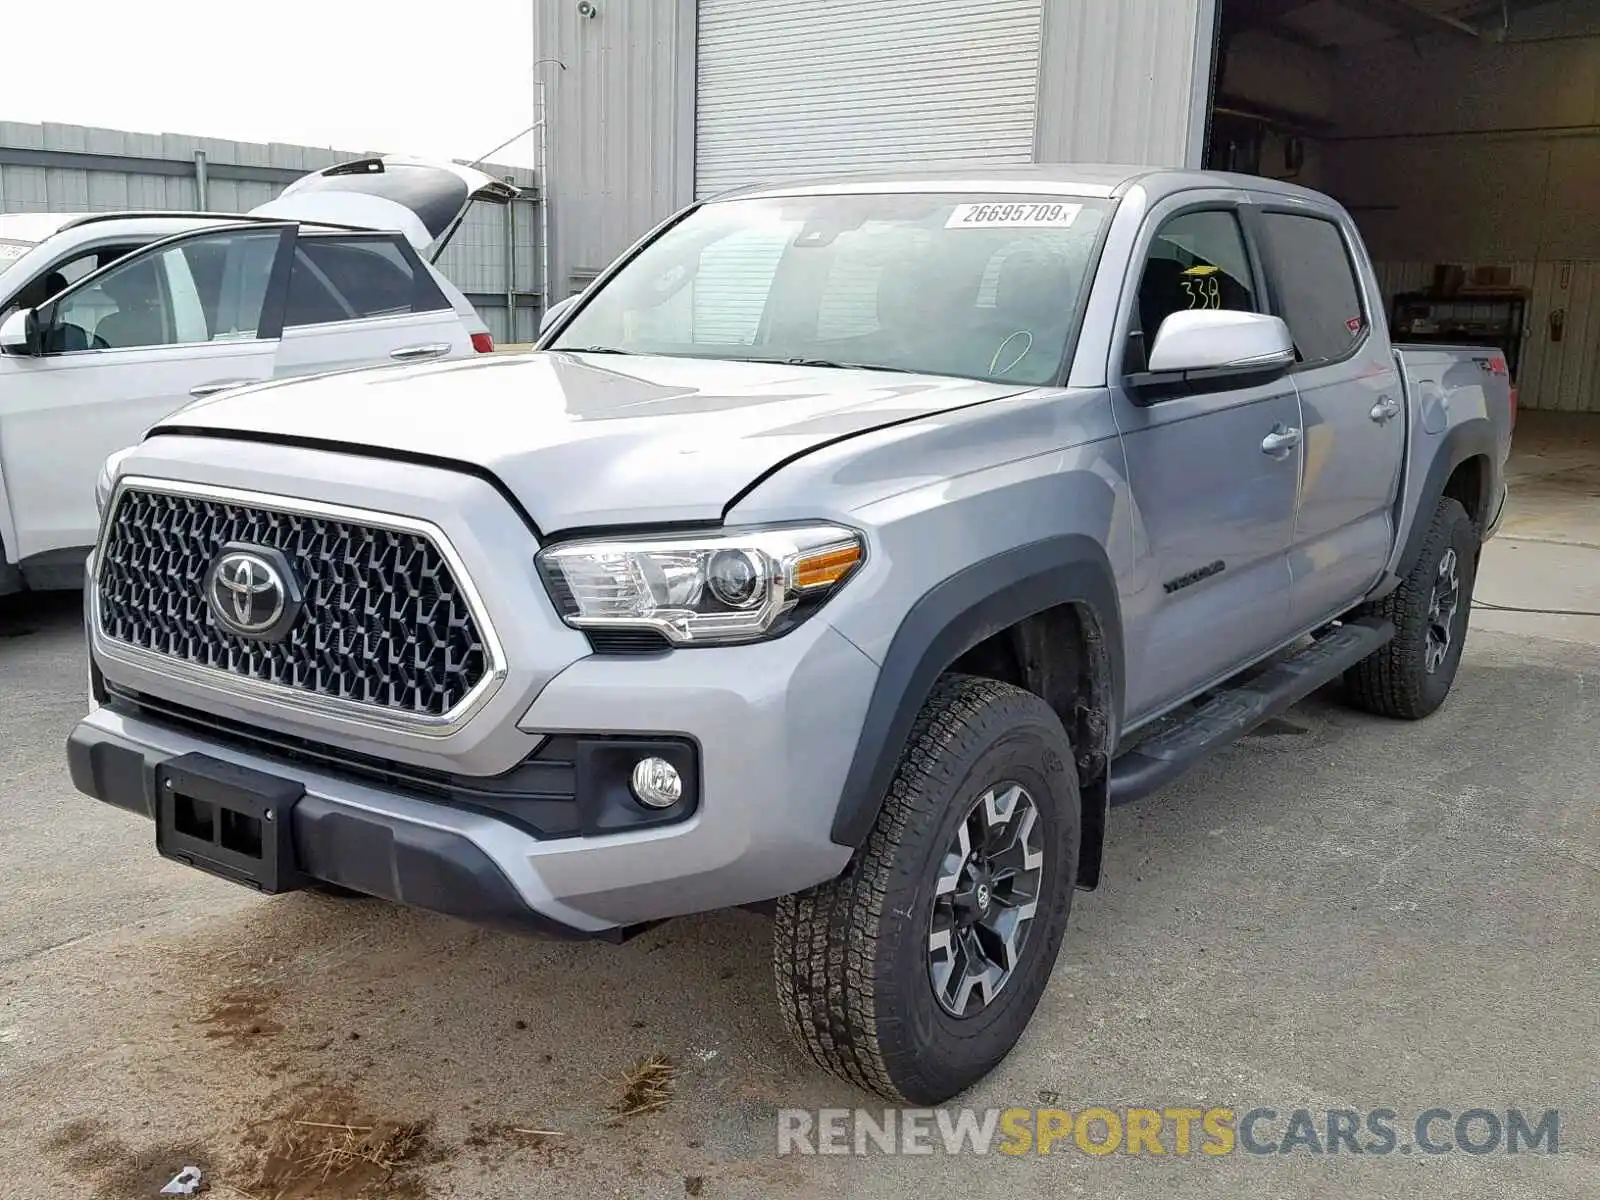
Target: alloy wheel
<point x="987" y="893"/>
<point x="1442" y="607"/>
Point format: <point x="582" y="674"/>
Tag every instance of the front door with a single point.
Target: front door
<point x="119" y="351"/>
<point x="1351" y="398"/>
<point x="1214" y="477"/>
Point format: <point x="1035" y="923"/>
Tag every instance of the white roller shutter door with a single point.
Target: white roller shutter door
<point x="789" y="88"/>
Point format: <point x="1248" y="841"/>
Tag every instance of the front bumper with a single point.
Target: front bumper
<point x="772" y="726"/>
<point x="336" y="841"/>
<point x="767" y="721"/>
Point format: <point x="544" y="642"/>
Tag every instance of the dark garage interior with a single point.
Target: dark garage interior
<point x="1464" y="137"/>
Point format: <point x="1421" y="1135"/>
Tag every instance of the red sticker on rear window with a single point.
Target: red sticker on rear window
<point x="1353" y="325"/>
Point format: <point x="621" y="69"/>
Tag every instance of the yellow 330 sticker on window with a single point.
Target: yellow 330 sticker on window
<point x="1020" y="215"/>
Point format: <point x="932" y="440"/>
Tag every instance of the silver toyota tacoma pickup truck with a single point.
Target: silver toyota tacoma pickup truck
<point x="848" y="545"/>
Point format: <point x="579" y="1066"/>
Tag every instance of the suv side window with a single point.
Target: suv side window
<point x="1196" y="260"/>
<point x="1315" y="284"/>
<point x="63" y="275"/>
<point x="170" y="297"/>
<point x="351" y="277"/>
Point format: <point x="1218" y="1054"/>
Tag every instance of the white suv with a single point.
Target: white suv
<point x="111" y="321"/>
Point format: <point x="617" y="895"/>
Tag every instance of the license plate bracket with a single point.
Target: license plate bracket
<point x="229" y="821"/>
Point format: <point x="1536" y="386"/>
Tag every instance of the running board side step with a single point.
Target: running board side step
<point x="1233" y="712"/>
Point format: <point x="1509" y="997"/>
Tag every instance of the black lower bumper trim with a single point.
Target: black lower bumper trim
<point x="383" y="856"/>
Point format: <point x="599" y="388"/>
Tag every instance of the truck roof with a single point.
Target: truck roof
<point x="1066" y="179"/>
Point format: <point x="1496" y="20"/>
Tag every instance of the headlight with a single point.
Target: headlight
<point x="737" y="585"/>
<point x="108" y="479"/>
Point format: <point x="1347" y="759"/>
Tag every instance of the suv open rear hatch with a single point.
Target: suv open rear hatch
<point x="426" y="201"/>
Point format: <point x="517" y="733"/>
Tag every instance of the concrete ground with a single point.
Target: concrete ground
<point x="1338" y="913"/>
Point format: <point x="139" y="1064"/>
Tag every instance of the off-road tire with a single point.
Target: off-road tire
<point x="1394" y="681"/>
<point x="851" y="956"/>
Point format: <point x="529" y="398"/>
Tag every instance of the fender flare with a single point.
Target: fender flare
<point x="949" y="620"/>
<point x="1470" y="439"/>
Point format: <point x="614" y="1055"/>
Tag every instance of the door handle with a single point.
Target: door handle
<point x="1386" y="409"/>
<point x="201" y="390"/>
<point x="413" y="353"/>
<point x="1280" y="441"/>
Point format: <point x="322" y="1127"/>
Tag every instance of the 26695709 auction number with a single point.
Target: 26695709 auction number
<point x="1014" y="215"/>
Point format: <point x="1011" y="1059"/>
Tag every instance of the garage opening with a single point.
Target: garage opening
<point x="1464" y="137"/>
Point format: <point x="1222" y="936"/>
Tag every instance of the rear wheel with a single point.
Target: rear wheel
<point x="1410" y="677"/>
<point x="916" y="972"/>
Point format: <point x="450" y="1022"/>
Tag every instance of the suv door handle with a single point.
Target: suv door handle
<point x="413" y="353"/>
<point x="1280" y="441"/>
<point x="201" y="390"/>
<point x="1386" y="409"/>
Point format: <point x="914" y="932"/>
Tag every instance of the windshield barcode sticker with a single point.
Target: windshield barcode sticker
<point x="1013" y="216"/>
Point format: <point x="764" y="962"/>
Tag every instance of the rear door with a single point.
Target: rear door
<point x="364" y="300"/>
<point x="425" y="201"/>
<point x="1351" y="402"/>
<point x="123" y="348"/>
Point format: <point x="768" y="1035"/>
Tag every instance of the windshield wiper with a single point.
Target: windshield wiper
<point x="591" y="350"/>
<point x="831" y="364"/>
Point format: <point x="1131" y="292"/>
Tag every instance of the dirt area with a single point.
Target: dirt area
<point x="286" y="1060"/>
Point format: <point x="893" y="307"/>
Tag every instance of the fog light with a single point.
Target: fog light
<point x="656" y="783"/>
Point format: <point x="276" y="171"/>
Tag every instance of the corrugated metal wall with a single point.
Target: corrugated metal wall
<point x="787" y="90"/>
<point x="71" y="168"/>
<point x="620" y="111"/>
<point x="1124" y="81"/>
<point x="1562" y="376"/>
<point x="1118" y="80"/>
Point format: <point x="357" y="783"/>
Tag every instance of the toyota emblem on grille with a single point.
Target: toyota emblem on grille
<point x="252" y="592"/>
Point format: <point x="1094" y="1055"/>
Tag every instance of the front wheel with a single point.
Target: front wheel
<point x="1410" y="677"/>
<point x="915" y="973"/>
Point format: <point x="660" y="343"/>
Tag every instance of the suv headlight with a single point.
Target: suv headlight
<point x="108" y="478"/>
<point x="739" y="585"/>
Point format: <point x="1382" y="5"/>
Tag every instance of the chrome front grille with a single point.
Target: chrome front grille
<point x="388" y="626"/>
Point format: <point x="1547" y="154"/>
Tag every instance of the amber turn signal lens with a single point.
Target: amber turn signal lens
<point x="823" y="568"/>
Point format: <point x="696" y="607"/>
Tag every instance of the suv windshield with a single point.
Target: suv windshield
<point x="981" y="286"/>
<point x="11" y="250"/>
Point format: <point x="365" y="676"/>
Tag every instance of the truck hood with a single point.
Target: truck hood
<point x="586" y="440"/>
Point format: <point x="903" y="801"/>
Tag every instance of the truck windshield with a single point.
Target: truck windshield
<point x="980" y="286"/>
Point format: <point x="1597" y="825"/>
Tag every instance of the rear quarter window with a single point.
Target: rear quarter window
<point x="1317" y="289"/>
<point x="354" y="278"/>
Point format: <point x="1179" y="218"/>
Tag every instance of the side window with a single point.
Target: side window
<point x="351" y="278"/>
<point x="43" y="288"/>
<point x="188" y="317"/>
<point x="1197" y="260"/>
<point x="167" y="297"/>
<point x="1315" y="282"/>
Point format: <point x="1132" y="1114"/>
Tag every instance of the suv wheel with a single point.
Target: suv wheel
<point x="917" y="971"/>
<point x="1411" y="676"/>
